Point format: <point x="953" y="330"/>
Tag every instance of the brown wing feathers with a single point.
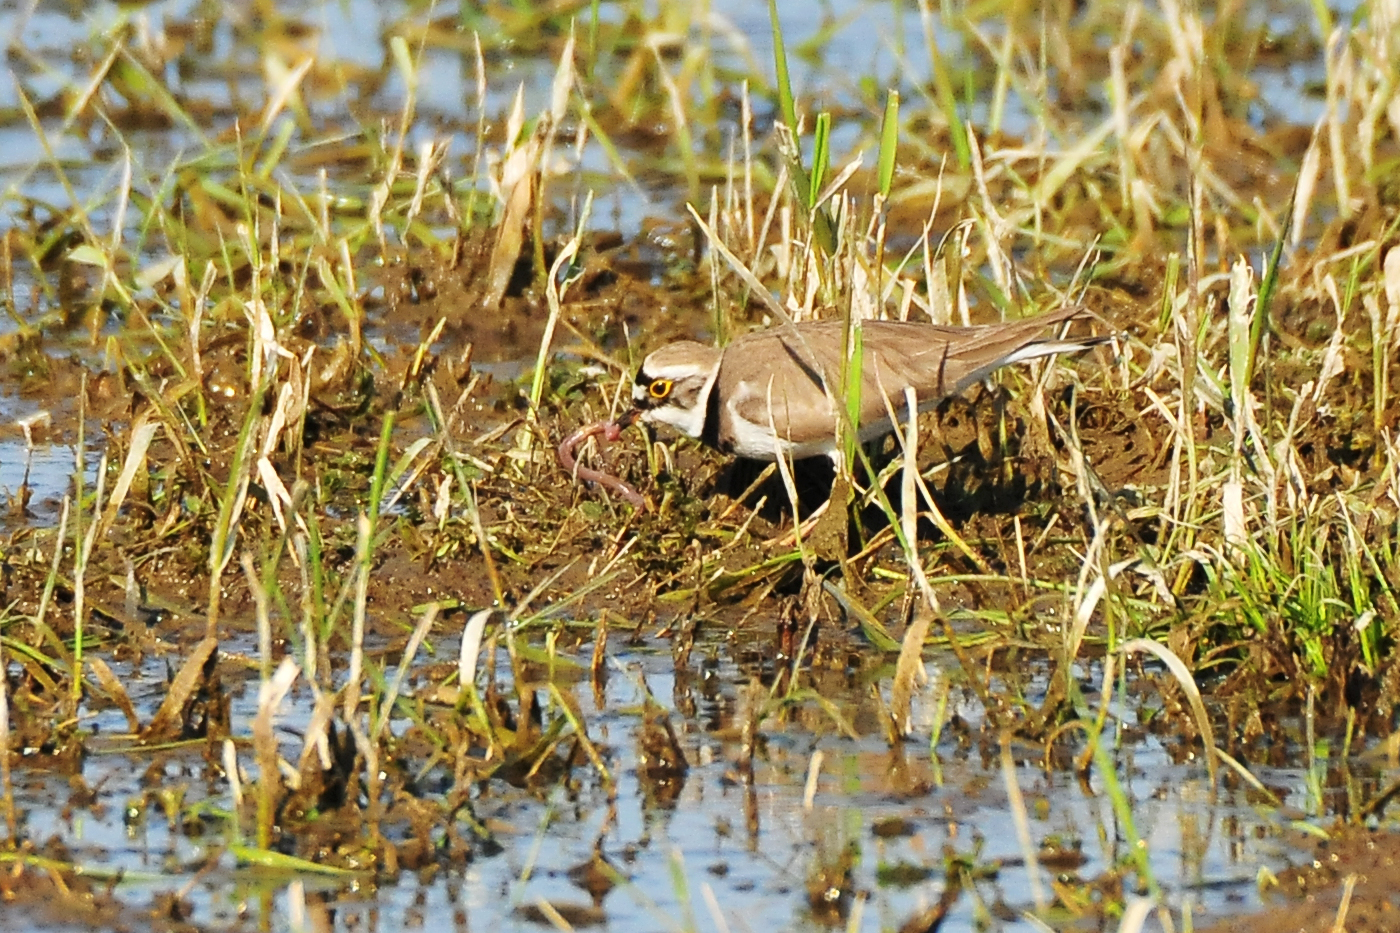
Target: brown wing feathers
<point x="936" y="360"/>
<point x="943" y="361"/>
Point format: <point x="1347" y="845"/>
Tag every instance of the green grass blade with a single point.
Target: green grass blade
<point x="785" y="101"/>
<point x="821" y="157"/>
<point x="889" y="144"/>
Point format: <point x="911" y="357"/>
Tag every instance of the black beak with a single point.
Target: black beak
<point x="629" y="418"/>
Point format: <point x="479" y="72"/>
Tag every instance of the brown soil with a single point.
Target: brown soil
<point x="1352" y="883"/>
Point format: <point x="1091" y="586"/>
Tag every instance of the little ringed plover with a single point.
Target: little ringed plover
<point x="779" y="389"/>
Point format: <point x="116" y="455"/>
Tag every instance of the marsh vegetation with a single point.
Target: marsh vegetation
<point x="305" y="626"/>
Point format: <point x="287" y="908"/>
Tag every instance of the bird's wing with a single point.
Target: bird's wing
<point x="939" y="361"/>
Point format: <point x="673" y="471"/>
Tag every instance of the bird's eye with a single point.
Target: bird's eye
<point x="659" y="388"/>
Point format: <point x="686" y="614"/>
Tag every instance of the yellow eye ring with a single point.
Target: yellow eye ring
<point x="659" y="388"/>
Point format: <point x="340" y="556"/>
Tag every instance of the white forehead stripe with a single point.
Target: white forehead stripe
<point x="674" y="372"/>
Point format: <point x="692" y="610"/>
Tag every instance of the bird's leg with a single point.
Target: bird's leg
<point x="826" y="529"/>
<point x="838" y="461"/>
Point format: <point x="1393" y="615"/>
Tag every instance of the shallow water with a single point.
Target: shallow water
<point x="47" y="469"/>
<point x="730" y="854"/>
<point x="843" y="54"/>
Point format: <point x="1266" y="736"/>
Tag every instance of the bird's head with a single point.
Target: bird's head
<point x="673" y="386"/>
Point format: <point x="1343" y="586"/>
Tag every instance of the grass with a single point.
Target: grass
<point x="233" y="317"/>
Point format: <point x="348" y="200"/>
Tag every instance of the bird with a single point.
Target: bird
<point x="777" y="391"/>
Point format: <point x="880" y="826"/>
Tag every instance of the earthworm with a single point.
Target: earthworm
<point x="610" y="430"/>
